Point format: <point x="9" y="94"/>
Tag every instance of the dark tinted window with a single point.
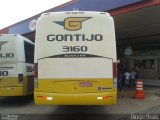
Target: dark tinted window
<point x="29" y="52"/>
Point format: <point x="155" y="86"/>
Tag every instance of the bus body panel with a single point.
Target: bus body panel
<point x="8" y="71"/>
<point x="82" y="85"/>
<point x="50" y="34"/>
<point x="103" y="98"/>
<point x="60" y="68"/>
<point x="14" y="78"/>
<point x="15" y="90"/>
<point x="75" y="53"/>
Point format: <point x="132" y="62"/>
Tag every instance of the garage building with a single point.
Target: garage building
<point x="137" y="24"/>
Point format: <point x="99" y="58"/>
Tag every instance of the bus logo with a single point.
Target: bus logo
<point x="72" y="23"/>
<point x="2" y="43"/>
<point x="85" y="84"/>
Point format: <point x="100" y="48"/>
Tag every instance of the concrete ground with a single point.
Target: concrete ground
<point x="127" y="105"/>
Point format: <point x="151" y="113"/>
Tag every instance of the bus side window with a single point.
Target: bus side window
<point x="29" y="52"/>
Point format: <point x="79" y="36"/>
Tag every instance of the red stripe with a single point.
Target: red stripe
<point x="4" y="31"/>
<point x="139" y="80"/>
<point x="139" y="86"/>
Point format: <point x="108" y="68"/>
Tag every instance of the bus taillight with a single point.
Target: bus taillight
<point x="20" y="78"/>
<point x="35" y="75"/>
<point x="115" y="74"/>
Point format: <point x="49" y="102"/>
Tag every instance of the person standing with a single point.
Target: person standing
<point x="133" y="77"/>
<point x="120" y="79"/>
<point x="127" y="78"/>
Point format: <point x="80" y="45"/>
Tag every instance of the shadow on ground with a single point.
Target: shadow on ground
<point x="16" y="100"/>
<point x="79" y="113"/>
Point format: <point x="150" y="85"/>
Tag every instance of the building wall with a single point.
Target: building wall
<point x="146" y="63"/>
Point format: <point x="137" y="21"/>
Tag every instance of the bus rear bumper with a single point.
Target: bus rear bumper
<point x="11" y="91"/>
<point x="105" y="98"/>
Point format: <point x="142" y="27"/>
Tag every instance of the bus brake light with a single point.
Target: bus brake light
<point x="20" y="78"/>
<point x="35" y="75"/>
<point x="115" y="74"/>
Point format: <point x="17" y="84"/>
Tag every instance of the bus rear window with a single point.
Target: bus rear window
<point x="29" y="54"/>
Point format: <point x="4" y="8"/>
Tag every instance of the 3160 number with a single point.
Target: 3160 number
<point x="75" y="48"/>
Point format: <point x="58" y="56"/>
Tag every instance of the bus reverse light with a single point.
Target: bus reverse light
<point x="45" y="98"/>
<point x="104" y="97"/>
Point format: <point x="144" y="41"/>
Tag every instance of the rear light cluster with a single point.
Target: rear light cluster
<point x="115" y="74"/>
<point x="20" y="78"/>
<point x="45" y="98"/>
<point x="104" y="97"/>
<point x="35" y="75"/>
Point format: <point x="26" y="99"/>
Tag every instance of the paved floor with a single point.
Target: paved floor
<point x="25" y="108"/>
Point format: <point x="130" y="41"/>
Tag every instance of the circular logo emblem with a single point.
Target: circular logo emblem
<point x="99" y="88"/>
<point x="128" y="51"/>
<point x="32" y="25"/>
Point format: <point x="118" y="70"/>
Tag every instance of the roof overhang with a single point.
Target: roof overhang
<point x="136" y="21"/>
<point x="139" y="28"/>
<point x="23" y="27"/>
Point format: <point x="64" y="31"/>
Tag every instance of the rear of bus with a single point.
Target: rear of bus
<point x="13" y="79"/>
<point x="75" y="59"/>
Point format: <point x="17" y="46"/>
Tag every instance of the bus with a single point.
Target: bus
<point x="16" y="65"/>
<point x="75" y="59"/>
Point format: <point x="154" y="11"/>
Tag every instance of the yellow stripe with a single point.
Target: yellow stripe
<point x="10" y="87"/>
<point x="75" y="99"/>
<point x="74" y="85"/>
<point x="70" y="92"/>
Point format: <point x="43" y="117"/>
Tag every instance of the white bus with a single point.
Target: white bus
<point x="75" y="59"/>
<point x="16" y="65"/>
